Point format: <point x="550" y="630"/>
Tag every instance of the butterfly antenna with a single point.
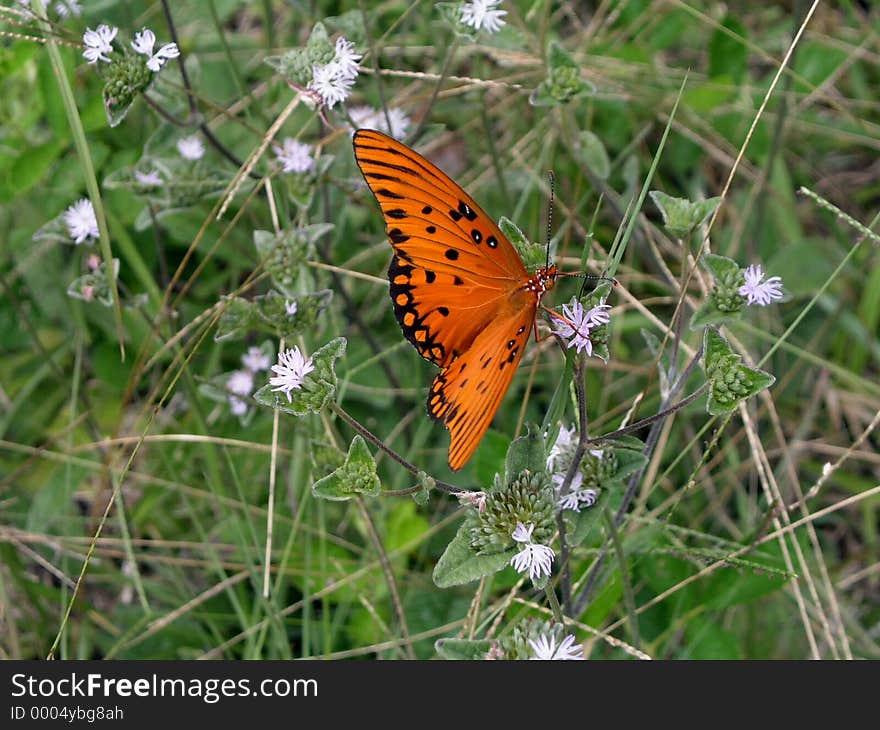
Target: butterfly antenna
<point x="552" y="180"/>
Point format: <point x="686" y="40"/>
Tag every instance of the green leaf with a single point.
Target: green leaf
<point x="720" y="267"/>
<point x="32" y="164"/>
<point x="729" y="380"/>
<point x="284" y="254"/>
<point x="271" y="312"/>
<point x="563" y="83"/>
<point x="627" y="461"/>
<point x="728" y="55"/>
<point x="459" y="564"/>
<point x="463" y="648"/>
<point x="318" y="387"/>
<point x="356" y="476"/>
<point x="426" y="484"/>
<point x="532" y="254"/>
<point x="95" y="286"/>
<point x="236" y="320"/>
<point x="527" y="453"/>
<point x="681" y="217"/>
<point x="593" y="153"/>
<point x="709" y="314"/>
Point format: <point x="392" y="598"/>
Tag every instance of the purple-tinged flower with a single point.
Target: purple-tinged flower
<point x="579" y="323"/>
<point x="760" y="292"/>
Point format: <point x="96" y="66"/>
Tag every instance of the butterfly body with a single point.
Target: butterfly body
<point x="460" y="291"/>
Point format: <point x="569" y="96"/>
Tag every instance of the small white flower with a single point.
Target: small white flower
<point x="331" y="84"/>
<point x="290" y="307"/>
<point x="545" y="648"/>
<point x="255" y="360"/>
<point x="93" y="261"/>
<point x="241" y="382"/>
<point x="579" y="335"/>
<point x="535" y="559"/>
<point x="67" y="8"/>
<point x="99" y="43"/>
<point x="758" y="292"/>
<point x="88" y="292"/>
<point x="237" y="406"/>
<point x="294" y="156"/>
<point x="564" y="442"/>
<point x="191" y="148"/>
<point x="157" y="60"/>
<point x="347" y="59"/>
<point x="81" y="221"/>
<point x="578" y="498"/>
<point x="290" y="371"/>
<point x="143" y="43"/>
<point x="366" y="117"/>
<point x="151" y="178"/>
<point x="483" y="15"/>
<point x="523" y="533"/>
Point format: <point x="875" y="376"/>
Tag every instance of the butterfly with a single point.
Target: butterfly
<point x="461" y="293"/>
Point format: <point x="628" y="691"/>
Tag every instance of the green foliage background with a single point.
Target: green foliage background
<point x="178" y="568"/>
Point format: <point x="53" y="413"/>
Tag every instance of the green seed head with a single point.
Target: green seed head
<point x="528" y="499"/>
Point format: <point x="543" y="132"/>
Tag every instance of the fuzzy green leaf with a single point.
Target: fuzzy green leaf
<point x="459" y="564"/>
<point x="729" y="380"/>
<point x="563" y="83"/>
<point x="709" y="314"/>
<point x="236" y="320"/>
<point x="720" y="267"/>
<point x="95" y="286"/>
<point x="463" y="648"/>
<point x="271" y="312"/>
<point x="356" y="476"/>
<point x="284" y="254"/>
<point x="526" y="453"/>
<point x="681" y="216"/>
<point x="593" y="153"/>
<point x="532" y="254"/>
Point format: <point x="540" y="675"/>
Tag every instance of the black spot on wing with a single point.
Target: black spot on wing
<point x="397" y="236"/>
<point x="466" y="211"/>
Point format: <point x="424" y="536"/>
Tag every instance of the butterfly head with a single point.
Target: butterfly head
<point x="542" y="281"/>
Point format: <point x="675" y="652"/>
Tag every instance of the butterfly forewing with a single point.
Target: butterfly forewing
<point x="428" y="216"/>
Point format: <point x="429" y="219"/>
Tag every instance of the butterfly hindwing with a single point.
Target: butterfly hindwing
<point x="466" y="394"/>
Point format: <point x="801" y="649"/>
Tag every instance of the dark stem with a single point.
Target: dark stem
<point x="578" y="457"/>
<point x="193" y="104"/>
<point x="650" y="444"/>
<point x="389" y="574"/>
<point x="378" y="443"/>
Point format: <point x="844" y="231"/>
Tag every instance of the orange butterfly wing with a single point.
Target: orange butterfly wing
<point x="456" y="284"/>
